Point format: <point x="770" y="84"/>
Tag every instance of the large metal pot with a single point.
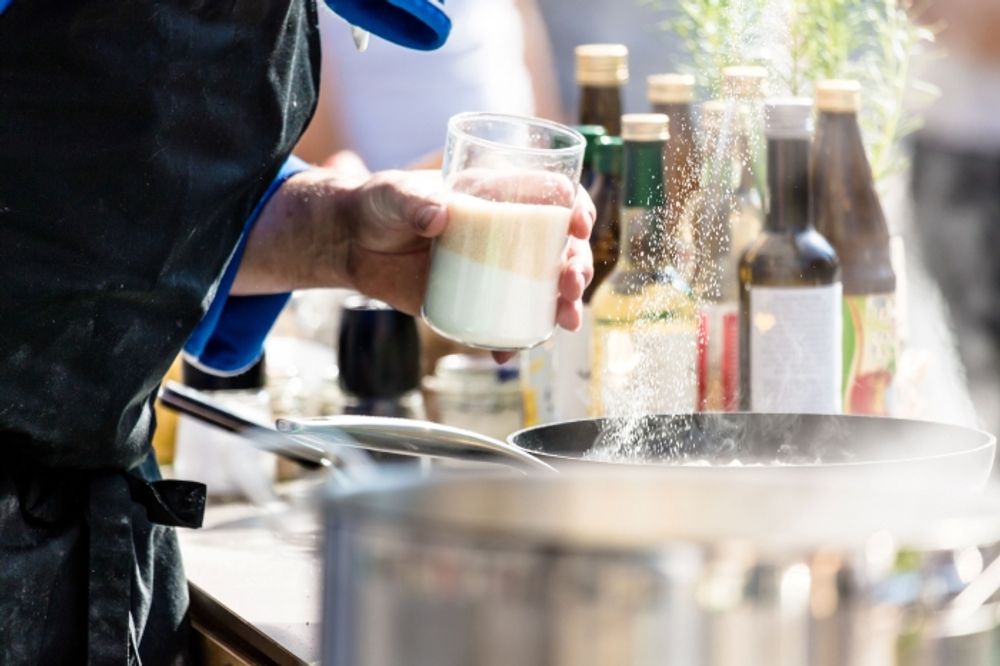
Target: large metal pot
<point x="660" y="566"/>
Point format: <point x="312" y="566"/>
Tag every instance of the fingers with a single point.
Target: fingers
<point x="405" y="201"/>
<point x="569" y="314"/>
<point x="584" y="214"/>
<point x="502" y="357"/>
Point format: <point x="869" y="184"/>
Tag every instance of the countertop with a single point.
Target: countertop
<point x="258" y="573"/>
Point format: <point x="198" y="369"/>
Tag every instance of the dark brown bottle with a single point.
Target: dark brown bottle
<point x="848" y="214"/>
<point x="790" y="296"/>
<point x="606" y="193"/>
<point x="601" y="71"/>
<point x="672" y="94"/>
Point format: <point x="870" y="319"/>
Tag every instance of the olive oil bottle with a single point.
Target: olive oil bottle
<point x="601" y="72"/>
<point x="644" y="339"/>
<point x="849" y="215"/>
<point x="790" y="285"/>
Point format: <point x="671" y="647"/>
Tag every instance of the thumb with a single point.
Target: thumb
<point x="407" y="201"/>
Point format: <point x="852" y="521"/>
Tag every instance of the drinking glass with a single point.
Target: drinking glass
<point x="511" y="183"/>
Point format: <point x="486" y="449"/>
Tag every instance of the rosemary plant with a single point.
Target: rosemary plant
<point x="803" y="41"/>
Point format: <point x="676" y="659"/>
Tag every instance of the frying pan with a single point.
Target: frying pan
<point x="852" y="448"/>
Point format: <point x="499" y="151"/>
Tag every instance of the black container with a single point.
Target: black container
<point x="378" y="351"/>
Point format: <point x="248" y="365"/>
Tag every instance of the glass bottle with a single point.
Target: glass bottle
<point x="743" y="90"/>
<point x="606" y="193"/>
<point x="673" y="94"/>
<point x="571" y="367"/>
<point x="644" y="340"/>
<point x="601" y="72"/>
<point x="591" y="133"/>
<point x="848" y="214"/>
<point x="790" y="285"/>
<point x="714" y="280"/>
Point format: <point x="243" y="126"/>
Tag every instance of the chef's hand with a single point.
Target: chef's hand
<point x="397" y="215"/>
<point x="330" y="228"/>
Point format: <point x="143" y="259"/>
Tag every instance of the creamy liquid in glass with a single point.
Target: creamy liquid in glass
<point x="494" y="272"/>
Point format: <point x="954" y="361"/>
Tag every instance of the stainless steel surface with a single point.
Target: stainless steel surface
<point x="409" y="437"/>
<point x="259" y="433"/>
<point x="660" y="566"/>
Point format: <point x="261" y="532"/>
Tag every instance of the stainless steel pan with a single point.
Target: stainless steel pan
<point x="851" y="447"/>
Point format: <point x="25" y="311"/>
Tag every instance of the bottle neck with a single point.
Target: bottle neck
<point x="602" y="105"/>
<point x="643" y="228"/>
<point x="788" y="185"/>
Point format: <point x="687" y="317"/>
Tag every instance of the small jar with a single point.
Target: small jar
<point x="474" y="393"/>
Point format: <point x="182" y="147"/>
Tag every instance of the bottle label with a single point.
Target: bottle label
<point x="537" y="384"/>
<point x="572" y="370"/>
<point x="646" y="368"/>
<point x="869" y="353"/>
<point x="719" y="357"/>
<point x="795" y="349"/>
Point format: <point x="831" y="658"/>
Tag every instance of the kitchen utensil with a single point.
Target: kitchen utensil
<point x="408" y="437"/>
<point x="653" y="566"/>
<point x="850" y="448"/>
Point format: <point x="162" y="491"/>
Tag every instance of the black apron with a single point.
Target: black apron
<point x="135" y="139"/>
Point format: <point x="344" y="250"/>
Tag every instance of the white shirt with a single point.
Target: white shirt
<point x="393" y="103"/>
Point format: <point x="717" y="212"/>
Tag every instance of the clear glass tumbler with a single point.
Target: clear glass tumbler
<point x="511" y="183"/>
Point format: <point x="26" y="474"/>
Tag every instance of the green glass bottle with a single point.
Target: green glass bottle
<point x="591" y="133"/>
<point x="644" y="339"/>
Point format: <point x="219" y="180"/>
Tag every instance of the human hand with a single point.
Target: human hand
<point x="392" y="218"/>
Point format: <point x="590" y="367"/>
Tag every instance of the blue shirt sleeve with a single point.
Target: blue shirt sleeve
<point x="230" y="337"/>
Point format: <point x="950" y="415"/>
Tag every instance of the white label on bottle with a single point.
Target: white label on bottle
<point x="648" y="368"/>
<point x="573" y="370"/>
<point x="795" y="349"/>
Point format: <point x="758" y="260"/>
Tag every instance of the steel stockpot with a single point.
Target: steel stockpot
<point x="636" y="567"/>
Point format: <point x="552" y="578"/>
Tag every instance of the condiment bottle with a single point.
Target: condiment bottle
<point x="715" y="280"/>
<point x="790" y="285"/>
<point x="673" y="94"/>
<point x="601" y="72"/>
<point x="571" y="367"/>
<point x="743" y="91"/>
<point x="644" y="340"/>
<point x="848" y="213"/>
<point x="591" y="133"/>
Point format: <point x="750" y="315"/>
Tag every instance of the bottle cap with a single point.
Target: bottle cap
<point x="838" y="96"/>
<point x="590" y="133"/>
<point x="203" y="379"/>
<point x="601" y="64"/>
<point x="670" y="88"/>
<point x="378" y="350"/>
<point x="744" y="81"/>
<point x="608" y="155"/>
<point x="788" y="118"/>
<point x="645" y="127"/>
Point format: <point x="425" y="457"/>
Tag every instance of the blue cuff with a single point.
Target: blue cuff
<point x="415" y="24"/>
<point x="230" y="337"/>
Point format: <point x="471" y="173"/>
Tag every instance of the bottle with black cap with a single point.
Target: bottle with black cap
<point x="230" y="466"/>
<point x="790" y="284"/>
